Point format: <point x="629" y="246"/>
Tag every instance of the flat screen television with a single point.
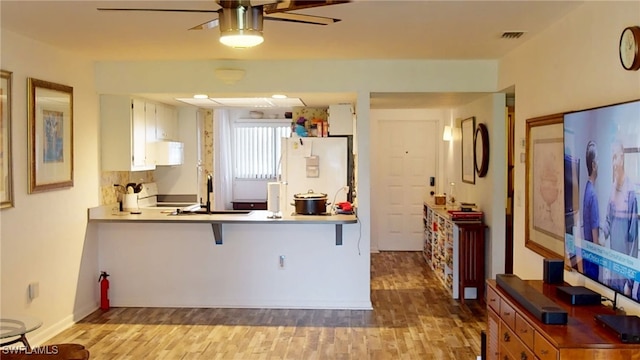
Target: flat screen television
<point x="602" y="169"/>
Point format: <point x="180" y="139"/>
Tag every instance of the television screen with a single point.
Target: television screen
<point x="602" y="179"/>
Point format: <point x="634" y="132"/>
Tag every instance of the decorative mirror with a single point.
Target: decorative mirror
<point x="481" y="150"/>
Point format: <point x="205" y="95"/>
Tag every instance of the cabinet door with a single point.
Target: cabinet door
<point x="139" y="134"/>
<point x="340" y="120"/>
<point x="166" y="123"/>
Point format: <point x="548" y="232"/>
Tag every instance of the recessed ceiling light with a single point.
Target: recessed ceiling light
<point x="200" y="96"/>
<point x="279" y="96"/>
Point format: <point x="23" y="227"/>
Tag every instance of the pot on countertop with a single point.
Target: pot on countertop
<point x="310" y="203"/>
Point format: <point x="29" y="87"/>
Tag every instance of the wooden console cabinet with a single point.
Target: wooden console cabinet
<point x="455" y="252"/>
<point x="514" y="333"/>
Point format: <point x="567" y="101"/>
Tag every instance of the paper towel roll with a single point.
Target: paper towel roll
<point x="273" y="197"/>
<point x="130" y="202"/>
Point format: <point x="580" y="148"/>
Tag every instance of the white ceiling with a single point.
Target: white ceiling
<point x="370" y="29"/>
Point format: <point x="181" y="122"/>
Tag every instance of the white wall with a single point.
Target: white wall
<point x="45" y="237"/>
<point x="572" y="65"/>
<point x="488" y="192"/>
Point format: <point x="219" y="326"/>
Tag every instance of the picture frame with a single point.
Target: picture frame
<point x="6" y="166"/>
<point x="468" y="150"/>
<point x="50" y="135"/>
<point x="544" y="186"/>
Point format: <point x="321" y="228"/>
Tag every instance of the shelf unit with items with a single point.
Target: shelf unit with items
<point x="454" y="250"/>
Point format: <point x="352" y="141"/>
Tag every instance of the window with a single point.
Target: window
<point x="257" y="148"/>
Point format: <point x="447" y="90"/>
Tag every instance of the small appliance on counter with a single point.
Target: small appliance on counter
<point x="310" y="203"/>
<point x="273" y="200"/>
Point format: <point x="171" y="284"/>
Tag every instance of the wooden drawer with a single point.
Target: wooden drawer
<point x="543" y="349"/>
<point x="250" y="205"/>
<point x="516" y="348"/>
<point x="493" y="300"/>
<point x="507" y="314"/>
<point x="493" y="335"/>
<point x="524" y="331"/>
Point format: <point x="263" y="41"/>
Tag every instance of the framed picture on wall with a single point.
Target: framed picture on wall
<point x="6" y="177"/>
<point x="544" y="210"/>
<point x="468" y="158"/>
<point x="50" y="126"/>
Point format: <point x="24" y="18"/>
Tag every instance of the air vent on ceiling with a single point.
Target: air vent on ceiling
<point x="512" y="34"/>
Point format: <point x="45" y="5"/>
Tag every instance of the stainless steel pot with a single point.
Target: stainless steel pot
<point x="310" y="203"/>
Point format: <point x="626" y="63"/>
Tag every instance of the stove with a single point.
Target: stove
<point x="148" y="199"/>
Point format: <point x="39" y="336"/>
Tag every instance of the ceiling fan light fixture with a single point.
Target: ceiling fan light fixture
<point x="241" y="39"/>
<point x="241" y="27"/>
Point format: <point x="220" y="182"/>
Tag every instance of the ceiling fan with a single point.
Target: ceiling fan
<point x="240" y="21"/>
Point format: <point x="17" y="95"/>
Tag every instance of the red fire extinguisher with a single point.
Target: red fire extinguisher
<point x="104" y="290"/>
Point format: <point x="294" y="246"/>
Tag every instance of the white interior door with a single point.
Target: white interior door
<point x="408" y="157"/>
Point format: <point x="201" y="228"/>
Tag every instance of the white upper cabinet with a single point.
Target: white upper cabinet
<point x="166" y="123"/>
<point x="123" y="134"/>
<point x="341" y="119"/>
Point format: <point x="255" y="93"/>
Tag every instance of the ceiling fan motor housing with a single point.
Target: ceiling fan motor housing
<point x="241" y="20"/>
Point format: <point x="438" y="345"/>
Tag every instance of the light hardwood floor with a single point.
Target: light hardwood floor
<point x="413" y="318"/>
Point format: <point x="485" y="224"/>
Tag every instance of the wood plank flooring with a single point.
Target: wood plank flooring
<point x="413" y="318"/>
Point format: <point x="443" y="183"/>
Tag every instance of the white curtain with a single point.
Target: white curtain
<point x="222" y="163"/>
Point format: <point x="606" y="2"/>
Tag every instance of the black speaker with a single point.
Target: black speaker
<point x="553" y="271"/>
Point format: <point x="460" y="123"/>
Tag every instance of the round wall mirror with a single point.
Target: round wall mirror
<point x="481" y="151"/>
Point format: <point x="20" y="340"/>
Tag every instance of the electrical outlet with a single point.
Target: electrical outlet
<point x="282" y="257"/>
<point x="34" y="290"/>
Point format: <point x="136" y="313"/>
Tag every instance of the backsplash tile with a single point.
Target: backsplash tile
<point x="109" y="193"/>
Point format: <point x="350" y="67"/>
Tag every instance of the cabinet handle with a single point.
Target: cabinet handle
<point x="492" y="300"/>
<point x="523" y="356"/>
<point x="544" y="352"/>
<point x="506" y="337"/>
<point x="506" y="313"/>
<point x="524" y="331"/>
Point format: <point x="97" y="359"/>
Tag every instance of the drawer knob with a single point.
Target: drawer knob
<point x="251" y="205"/>
<point x="523" y="356"/>
<point x="506" y="337"/>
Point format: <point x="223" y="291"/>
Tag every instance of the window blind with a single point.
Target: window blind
<point x="257" y="149"/>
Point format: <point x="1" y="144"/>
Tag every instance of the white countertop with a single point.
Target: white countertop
<point x="105" y="214"/>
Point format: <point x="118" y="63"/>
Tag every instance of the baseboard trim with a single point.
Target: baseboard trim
<point x="49" y="332"/>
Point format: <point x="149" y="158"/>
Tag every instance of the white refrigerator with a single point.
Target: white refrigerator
<point x="319" y="164"/>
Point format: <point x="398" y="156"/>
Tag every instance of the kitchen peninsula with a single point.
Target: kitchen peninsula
<point x="232" y="260"/>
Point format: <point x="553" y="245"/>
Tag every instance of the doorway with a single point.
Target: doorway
<point x="510" y="125"/>
<point x="406" y="158"/>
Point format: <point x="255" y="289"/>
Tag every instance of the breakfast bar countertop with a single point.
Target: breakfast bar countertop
<point x="155" y="215"/>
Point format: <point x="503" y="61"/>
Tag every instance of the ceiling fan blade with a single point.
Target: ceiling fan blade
<point x="301" y="18"/>
<point x="207" y="25"/>
<point x="290" y="5"/>
<point x="159" y="10"/>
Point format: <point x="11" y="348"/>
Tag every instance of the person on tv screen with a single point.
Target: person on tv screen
<point x="590" y="214"/>
<point x="621" y="221"/>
